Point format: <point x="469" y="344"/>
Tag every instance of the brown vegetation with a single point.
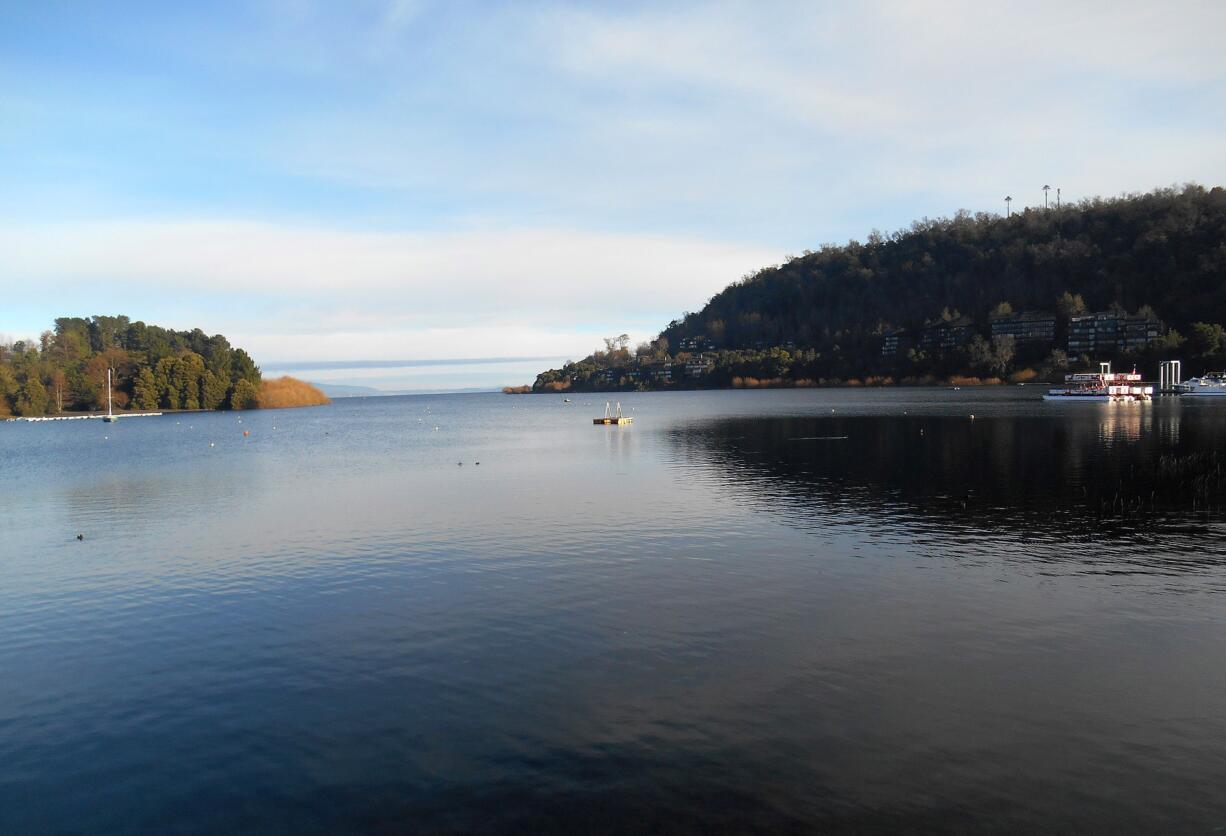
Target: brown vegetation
<point x="285" y="392"/>
<point x="517" y="390"/>
<point x="963" y="380"/>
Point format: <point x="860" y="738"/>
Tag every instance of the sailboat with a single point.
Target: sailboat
<point x="111" y="417"/>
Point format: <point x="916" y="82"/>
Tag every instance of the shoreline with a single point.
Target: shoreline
<point x="952" y="383"/>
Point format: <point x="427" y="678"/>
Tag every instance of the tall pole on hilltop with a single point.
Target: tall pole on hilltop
<point x="1045" y="190"/>
<point x="1008" y="206"/>
<point x="1057" y="197"/>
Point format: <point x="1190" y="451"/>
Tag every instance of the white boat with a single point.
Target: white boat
<point x="1213" y="383"/>
<point x="1102" y="386"/>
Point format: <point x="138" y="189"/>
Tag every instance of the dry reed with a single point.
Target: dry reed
<point x="286" y="392"/>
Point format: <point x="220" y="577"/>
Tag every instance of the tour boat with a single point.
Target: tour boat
<point x="1213" y="383"/>
<point x="1102" y="386"/>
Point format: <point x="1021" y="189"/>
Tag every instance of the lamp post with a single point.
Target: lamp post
<point x="1045" y="190"/>
<point x="1008" y="206"/>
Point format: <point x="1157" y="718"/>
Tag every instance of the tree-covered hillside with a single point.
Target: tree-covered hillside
<point x="869" y="309"/>
<point x="1165" y="249"/>
<point x="153" y="368"/>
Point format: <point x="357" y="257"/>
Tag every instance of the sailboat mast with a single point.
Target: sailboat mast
<point x="108" y="393"/>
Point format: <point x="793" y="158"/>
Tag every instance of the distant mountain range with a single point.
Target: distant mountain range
<point x="341" y="390"/>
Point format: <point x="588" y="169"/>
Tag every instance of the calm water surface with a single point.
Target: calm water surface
<point x="829" y="611"/>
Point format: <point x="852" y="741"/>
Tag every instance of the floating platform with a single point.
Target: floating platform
<point x="613" y="418"/>
<point x="107" y="418"/>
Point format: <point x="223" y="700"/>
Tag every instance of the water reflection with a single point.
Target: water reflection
<point x="1102" y="470"/>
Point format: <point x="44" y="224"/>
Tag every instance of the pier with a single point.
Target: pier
<point x="86" y="417"/>
<point x="1170" y="375"/>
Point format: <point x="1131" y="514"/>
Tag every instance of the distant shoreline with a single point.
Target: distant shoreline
<point x="949" y="383"/>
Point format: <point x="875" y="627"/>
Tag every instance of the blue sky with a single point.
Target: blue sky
<point x="417" y="180"/>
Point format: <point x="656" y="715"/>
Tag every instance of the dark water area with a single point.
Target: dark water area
<point x="792" y="611"/>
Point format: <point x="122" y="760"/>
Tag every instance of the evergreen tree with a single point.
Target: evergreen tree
<point x="244" y="395"/>
<point x="33" y="397"/>
<point x="212" y="390"/>
<point x="145" y="390"/>
<point x="8" y="389"/>
<point x="168" y="395"/>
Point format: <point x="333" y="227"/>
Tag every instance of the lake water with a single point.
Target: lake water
<point x="840" y="611"/>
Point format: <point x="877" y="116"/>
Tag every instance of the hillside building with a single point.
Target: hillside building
<point x="894" y="343"/>
<point x="1109" y="332"/>
<point x="947" y="335"/>
<point x="1026" y="327"/>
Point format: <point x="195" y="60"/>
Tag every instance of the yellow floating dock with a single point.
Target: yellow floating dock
<point x="616" y="419"/>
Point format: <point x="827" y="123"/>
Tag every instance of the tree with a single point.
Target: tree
<point x="8" y="389"/>
<point x="33" y="397"/>
<point x="185" y="377"/>
<point x="1172" y="340"/>
<point x="1070" y="305"/>
<point x="1206" y="339"/>
<point x="1004" y="346"/>
<point x="1002" y="309"/>
<point x="244" y="395"/>
<point x="145" y="390"/>
<point x="212" y="390"/>
<point x="979" y="354"/>
<point x="168" y="395"/>
<point x="244" y="368"/>
<point x="1055" y="365"/>
<point x="59" y="388"/>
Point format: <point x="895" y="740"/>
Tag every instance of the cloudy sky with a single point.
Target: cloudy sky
<point x="413" y="180"/>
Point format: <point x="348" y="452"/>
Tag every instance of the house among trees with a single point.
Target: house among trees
<point x="696" y="344"/>
<point x="660" y="372"/>
<point x="699" y="366"/>
<point x="1025" y="327"/>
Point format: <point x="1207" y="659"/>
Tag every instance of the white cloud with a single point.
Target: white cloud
<point x="338" y="293"/>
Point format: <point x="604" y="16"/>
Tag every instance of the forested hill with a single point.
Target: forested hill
<point x="153" y="368"/>
<point x="974" y="295"/>
<point x="1165" y="249"/>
